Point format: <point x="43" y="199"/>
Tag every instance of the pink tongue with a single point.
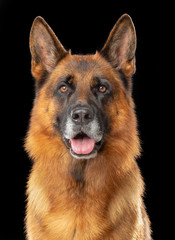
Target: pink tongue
<point x="83" y="145"/>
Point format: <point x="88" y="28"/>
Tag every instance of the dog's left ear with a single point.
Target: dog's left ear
<point x="120" y="47"/>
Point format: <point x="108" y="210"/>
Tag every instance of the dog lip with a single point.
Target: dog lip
<point x="82" y="134"/>
<point x="92" y="154"/>
<point x="97" y="139"/>
<point x="82" y="144"/>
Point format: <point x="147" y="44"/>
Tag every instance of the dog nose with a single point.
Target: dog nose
<point x="82" y="115"/>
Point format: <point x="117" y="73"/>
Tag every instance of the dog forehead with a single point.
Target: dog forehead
<point x="83" y="69"/>
<point x="85" y="63"/>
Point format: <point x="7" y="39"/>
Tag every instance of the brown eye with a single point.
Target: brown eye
<point x="102" y="89"/>
<point x="63" y="89"/>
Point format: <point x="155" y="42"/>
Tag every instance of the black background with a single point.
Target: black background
<point x="83" y="27"/>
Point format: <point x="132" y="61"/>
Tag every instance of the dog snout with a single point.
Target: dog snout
<point x="82" y="115"/>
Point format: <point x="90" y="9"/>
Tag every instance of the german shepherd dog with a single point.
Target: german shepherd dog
<point x="85" y="183"/>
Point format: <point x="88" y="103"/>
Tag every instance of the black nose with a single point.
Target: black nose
<point x="82" y="115"/>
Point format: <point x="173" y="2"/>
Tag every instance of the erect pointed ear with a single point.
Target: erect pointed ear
<point x="120" y="47"/>
<point x="46" y="49"/>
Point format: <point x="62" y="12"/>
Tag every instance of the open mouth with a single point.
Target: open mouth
<point x="82" y="146"/>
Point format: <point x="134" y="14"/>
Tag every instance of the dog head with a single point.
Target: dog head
<point x="83" y="98"/>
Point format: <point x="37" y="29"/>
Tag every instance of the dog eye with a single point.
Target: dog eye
<point x="64" y="89"/>
<point x="102" y="89"/>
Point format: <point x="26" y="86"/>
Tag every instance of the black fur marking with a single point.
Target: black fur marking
<point x="77" y="171"/>
<point x="67" y="79"/>
<point x="78" y="175"/>
<point x="42" y="81"/>
<point x="127" y="82"/>
<point x="74" y="233"/>
<point x="64" y="80"/>
<point x="82" y="66"/>
<point x="103" y="98"/>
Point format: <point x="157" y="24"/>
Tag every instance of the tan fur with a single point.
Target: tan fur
<point x="108" y="205"/>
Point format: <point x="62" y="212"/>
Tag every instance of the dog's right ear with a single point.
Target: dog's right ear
<point x="46" y="49"/>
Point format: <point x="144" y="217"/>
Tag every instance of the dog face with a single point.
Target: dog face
<point x="84" y="98"/>
<point x="84" y="92"/>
